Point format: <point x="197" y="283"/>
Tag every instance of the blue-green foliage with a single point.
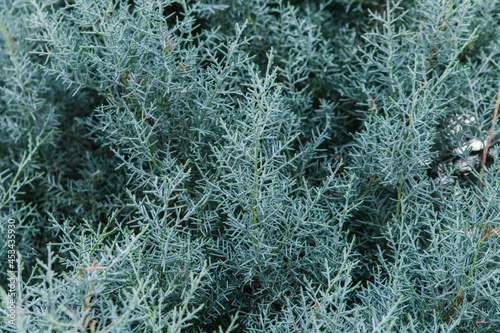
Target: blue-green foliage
<point x="251" y="166"/>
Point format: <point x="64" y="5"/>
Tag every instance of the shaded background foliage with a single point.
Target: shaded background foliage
<point x="252" y="165"/>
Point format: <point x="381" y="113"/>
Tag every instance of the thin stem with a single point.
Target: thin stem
<point x="458" y="299"/>
<point x="490" y="137"/>
<point x="255" y="175"/>
<point x="24" y="162"/>
<point x="7" y="40"/>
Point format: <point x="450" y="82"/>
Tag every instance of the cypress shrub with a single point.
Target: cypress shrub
<point x="249" y="166"/>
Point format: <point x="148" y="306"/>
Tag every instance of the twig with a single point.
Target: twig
<point x="490" y="137"/>
<point x="374" y="106"/>
<point x="368" y="188"/>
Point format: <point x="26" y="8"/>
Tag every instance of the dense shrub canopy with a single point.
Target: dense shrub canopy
<point x="250" y="166"/>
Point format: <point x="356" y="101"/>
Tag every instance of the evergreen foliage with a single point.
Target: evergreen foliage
<point x="250" y="166"/>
